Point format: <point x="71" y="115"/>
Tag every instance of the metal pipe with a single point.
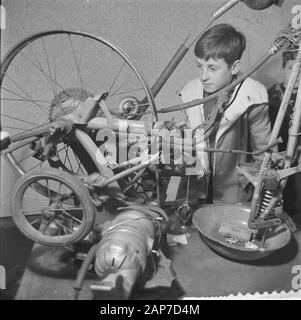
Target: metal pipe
<point x="223" y="9"/>
<point x="39" y="131"/>
<point x="286" y="97"/>
<point x="295" y="126"/>
<point x="170" y="67"/>
<point x="83" y="271"/>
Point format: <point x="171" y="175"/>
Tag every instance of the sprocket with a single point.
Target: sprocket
<point x="67" y="101"/>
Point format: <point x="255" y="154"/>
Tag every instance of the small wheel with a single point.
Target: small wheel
<point x="48" y="75"/>
<point x="52" y="207"/>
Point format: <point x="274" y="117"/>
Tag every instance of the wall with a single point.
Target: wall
<point x="150" y="31"/>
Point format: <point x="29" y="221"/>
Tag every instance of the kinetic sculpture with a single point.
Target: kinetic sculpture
<point x="71" y="134"/>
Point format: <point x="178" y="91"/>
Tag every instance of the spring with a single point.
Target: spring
<point x="266" y="198"/>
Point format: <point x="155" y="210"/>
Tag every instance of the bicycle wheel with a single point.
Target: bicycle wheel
<point x="60" y="215"/>
<point x="49" y="74"/>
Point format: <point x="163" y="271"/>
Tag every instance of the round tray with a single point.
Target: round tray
<point x="209" y="218"/>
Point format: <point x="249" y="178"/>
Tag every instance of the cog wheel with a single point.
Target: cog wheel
<point x="67" y="101"/>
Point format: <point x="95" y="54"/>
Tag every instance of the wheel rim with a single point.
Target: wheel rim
<point x="55" y="216"/>
<point x="47" y="65"/>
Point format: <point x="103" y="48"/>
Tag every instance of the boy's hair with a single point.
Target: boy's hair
<point x="289" y="55"/>
<point x="221" y="41"/>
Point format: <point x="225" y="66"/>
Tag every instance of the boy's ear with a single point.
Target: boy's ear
<point x="235" y="67"/>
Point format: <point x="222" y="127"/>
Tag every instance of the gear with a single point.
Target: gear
<point x="67" y="101"/>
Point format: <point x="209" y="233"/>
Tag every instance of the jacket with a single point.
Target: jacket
<point x="245" y="125"/>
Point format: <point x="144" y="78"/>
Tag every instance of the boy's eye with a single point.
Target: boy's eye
<point x="212" y="68"/>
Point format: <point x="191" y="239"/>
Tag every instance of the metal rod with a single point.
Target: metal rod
<point x="170" y="67"/>
<point x="19" y="145"/>
<point x="128" y="171"/>
<point x="30" y="133"/>
<point x="286" y="97"/>
<point x="295" y="126"/>
<point x="275" y="132"/>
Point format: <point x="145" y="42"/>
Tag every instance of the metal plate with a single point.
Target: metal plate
<point x="209" y="218"/>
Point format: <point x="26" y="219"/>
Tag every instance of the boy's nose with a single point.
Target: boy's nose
<point x="204" y="75"/>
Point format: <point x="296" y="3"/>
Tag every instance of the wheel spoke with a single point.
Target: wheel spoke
<point x="117" y="76"/>
<point x="14" y="118"/>
<point x="44" y="73"/>
<point x="31" y="210"/>
<point x="23" y="100"/>
<point x="117" y="93"/>
<point x="79" y="165"/>
<point x="76" y="62"/>
<point x="40" y="68"/>
<point x="17" y="95"/>
<point x="48" y="191"/>
<point x="69" y="209"/>
<point x="70" y="216"/>
<point x="12" y="127"/>
<point x="30" y="98"/>
<point x="44" y="226"/>
<point x="63" y="226"/>
<point x="36" y="220"/>
<point x="31" y="129"/>
<point x="48" y="65"/>
<point x="69" y="162"/>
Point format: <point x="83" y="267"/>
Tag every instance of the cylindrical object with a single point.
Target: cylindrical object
<point x="169" y="69"/>
<point x="127" y="242"/>
<point x="224" y="8"/>
<point x="120" y="125"/>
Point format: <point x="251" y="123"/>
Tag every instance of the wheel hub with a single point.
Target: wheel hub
<point x="67" y="101"/>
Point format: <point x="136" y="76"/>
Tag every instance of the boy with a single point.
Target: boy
<point x="291" y="203"/>
<point x="244" y="125"/>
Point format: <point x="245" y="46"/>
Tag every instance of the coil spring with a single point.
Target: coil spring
<point x="270" y="183"/>
<point x="266" y="198"/>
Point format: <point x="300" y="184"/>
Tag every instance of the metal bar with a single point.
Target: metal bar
<point x="128" y="171"/>
<point x="169" y="69"/>
<point x="275" y="132"/>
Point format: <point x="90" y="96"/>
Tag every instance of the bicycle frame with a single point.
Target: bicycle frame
<point x="291" y="146"/>
<point x="99" y="160"/>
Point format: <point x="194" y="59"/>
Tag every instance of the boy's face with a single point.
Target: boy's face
<point x="287" y="71"/>
<point x="215" y="73"/>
